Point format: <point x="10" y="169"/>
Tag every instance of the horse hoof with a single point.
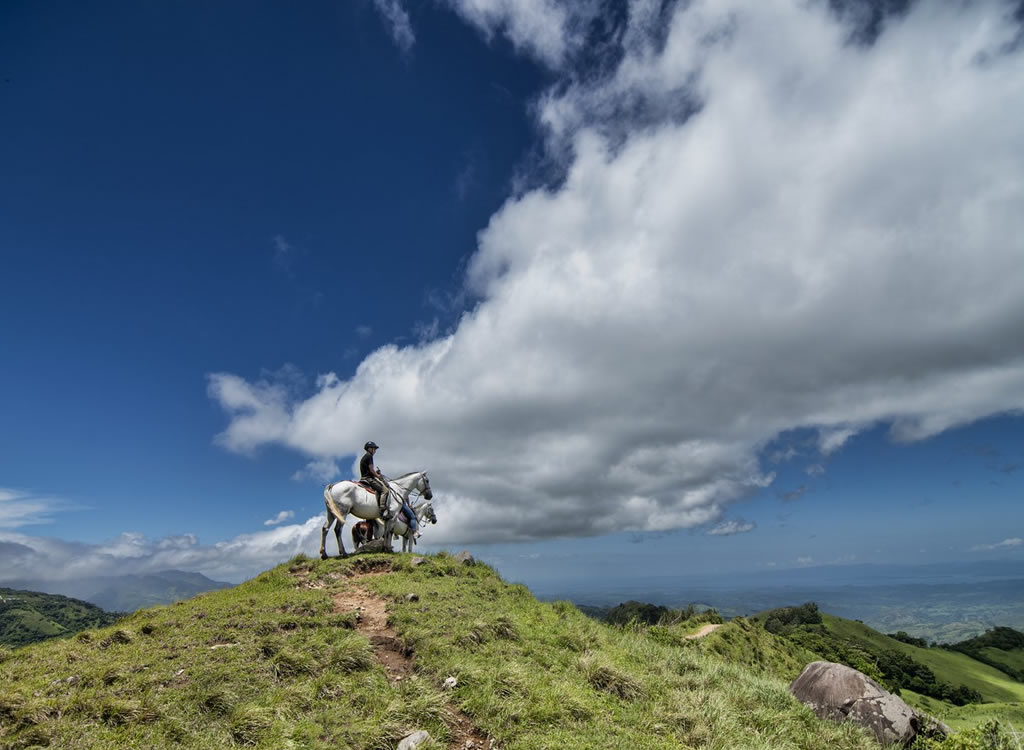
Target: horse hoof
<point x="342" y="557"/>
<point x="323" y="555"/>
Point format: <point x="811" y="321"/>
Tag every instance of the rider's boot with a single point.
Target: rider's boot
<point x="382" y="507"/>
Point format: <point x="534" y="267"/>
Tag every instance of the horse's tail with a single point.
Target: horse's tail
<point x="332" y="506"/>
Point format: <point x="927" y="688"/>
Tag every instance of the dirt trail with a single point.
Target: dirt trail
<point x="705" y="630"/>
<point x="396" y="659"/>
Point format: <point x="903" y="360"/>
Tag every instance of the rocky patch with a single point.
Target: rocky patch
<point x="840" y="693"/>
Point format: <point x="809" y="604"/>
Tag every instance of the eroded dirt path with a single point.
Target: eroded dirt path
<point x="396" y="659"/>
<point x="705" y="630"/>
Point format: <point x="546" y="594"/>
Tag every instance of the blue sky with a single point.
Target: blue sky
<point x="638" y="284"/>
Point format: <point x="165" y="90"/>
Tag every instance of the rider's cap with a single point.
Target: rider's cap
<point x="369" y="445"/>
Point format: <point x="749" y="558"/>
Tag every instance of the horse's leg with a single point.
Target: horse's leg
<point x="339" y="508"/>
<point x="323" y="534"/>
<point x="337" y="535"/>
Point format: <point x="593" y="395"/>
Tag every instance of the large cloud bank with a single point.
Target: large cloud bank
<point x="763" y="226"/>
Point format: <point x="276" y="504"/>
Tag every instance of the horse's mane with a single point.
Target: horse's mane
<point x="408" y="474"/>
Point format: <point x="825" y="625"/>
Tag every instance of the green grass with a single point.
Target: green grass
<point x="741" y="641"/>
<point x="545" y="676"/>
<point x="971" y="716"/>
<point x="1013" y="658"/>
<point x="291" y="673"/>
<point x="948" y="666"/>
<point x="23" y="626"/>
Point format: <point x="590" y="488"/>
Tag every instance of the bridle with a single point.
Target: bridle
<point x="410" y="493"/>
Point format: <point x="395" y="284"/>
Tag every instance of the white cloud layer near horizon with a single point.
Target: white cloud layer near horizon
<point x="1010" y="543"/>
<point x="26" y="557"/>
<point x="830" y="241"/>
<point x="34" y="558"/>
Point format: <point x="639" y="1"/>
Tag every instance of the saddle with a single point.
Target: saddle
<point x="384" y="498"/>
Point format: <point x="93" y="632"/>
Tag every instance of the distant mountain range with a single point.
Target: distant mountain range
<point x="128" y="593"/>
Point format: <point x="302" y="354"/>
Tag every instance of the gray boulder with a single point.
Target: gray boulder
<point x="465" y="558"/>
<point x="840" y="693"/>
<point x="373" y="547"/>
<point x="414" y="740"/>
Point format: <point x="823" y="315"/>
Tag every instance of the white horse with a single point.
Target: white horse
<point x="424" y="512"/>
<point x="342" y="498"/>
<point x="365" y="531"/>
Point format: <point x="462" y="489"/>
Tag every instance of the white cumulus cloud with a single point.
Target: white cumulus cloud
<point x="762" y="227"/>
<point x="397" y="19"/>
<point x="319" y="469"/>
<point x="728" y="528"/>
<point x="543" y="28"/>
<point x="281" y="517"/>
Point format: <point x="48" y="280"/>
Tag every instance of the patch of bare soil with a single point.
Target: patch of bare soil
<point x="372" y="621"/>
<point x="705" y="630"/>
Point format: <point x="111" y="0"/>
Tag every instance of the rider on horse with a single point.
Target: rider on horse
<point x="371" y="476"/>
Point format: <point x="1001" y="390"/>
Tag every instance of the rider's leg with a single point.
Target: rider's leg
<point x="410" y="515"/>
<point x="382" y="504"/>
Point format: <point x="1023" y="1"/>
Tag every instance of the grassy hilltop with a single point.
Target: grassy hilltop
<point x="280" y="662"/>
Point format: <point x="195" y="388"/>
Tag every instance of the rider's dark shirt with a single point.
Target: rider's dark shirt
<point x="366" y="468"/>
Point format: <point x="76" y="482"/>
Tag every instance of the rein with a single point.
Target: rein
<point x="408" y="494"/>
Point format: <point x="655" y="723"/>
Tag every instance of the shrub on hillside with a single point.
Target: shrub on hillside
<point x="633" y="611"/>
<point x="1006" y="639"/>
<point x="783" y="620"/>
<point x="691" y="615"/>
<point x="990" y="736"/>
<point x="905" y="637"/>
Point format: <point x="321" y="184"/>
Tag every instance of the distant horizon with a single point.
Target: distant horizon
<point x="943" y="602"/>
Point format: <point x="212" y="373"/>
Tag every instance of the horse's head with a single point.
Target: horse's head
<point x="428" y="512"/>
<point x="424" y="487"/>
